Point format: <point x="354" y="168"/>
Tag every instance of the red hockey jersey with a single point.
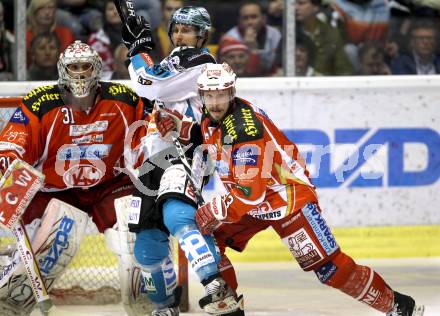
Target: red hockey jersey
<point x="74" y="148"/>
<point x="259" y="167"/>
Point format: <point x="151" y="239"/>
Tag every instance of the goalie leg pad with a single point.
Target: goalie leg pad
<point x="121" y="242"/>
<point x="175" y="184"/>
<point x="55" y="243"/>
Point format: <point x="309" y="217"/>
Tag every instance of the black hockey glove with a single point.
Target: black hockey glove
<point x="136" y="35"/>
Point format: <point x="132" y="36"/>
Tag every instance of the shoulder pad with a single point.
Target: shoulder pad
<point x="43" y="99"/>
<point x="242" y="125"/>
<point x="118" y="92"/>
<point x="191" y="57"/>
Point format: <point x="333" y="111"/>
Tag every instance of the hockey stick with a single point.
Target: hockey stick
<point x="18" y="186"/>
<point x="186" y="165"/>
<point x="125" y="9"/>
<point x="126" y="13"/>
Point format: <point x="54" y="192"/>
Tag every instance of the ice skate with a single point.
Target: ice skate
<point x="167" y="311"/>
<point x="220" y="299"/>
<point x="172" y="310"/>
<point x="405" y="306"/>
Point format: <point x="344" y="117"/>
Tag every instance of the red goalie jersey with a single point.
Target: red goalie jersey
<point x="74" y="149"/>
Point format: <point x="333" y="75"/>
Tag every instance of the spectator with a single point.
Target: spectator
<point x="120" y="70"/>
<point x="6" y="41"/>
<point x="372" y="60"/>
<point x="150" y="10"/>
<point x="304" y="60"/>
<point x="163" y="42"/>
<point x="363" y="21"/>
<point x="45" y="49"/>
<point x="275" y="11"/>
<point x="80" y="16"/>
<point x="423" y="58"/>
<point x="330" y="58"/>
<point x="261" y="39"/>
<point x="107" y="38"/>
<point x="238" y="56"/>
<point x="41" y="19"/>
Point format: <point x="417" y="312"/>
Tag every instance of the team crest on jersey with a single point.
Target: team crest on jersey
<point x="19" y="117"/>
<point x="82" y="175"/>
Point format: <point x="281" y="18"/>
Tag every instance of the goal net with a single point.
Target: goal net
<point x="92" y="276"/>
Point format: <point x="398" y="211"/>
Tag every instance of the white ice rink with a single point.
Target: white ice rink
<point x="282" y="289"/>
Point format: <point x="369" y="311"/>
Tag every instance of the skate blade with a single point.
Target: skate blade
<point x="226" y="306"/>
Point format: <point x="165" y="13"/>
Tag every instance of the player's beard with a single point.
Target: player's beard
<point x="80" y="104"/>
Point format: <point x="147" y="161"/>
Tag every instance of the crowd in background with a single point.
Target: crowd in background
<point x="333" y="37"/>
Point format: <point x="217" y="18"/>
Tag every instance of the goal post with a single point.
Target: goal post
<point x="92" y="277"/>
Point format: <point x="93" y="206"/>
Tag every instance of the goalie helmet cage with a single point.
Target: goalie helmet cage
<point x="92" y="277"/>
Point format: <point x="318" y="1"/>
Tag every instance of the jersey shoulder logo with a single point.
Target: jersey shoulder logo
<point x="43" y="99"/>
<point x="119" y="92"/>
<point x="242" y="125"/>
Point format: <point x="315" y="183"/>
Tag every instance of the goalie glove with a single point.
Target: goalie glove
<point x="168" y="121"/>
<point x="136" y="35"/>
<point x="211" y="215"/>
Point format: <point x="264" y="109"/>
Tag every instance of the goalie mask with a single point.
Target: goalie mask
<point x="79" y="69"/>
<point x="216" y="86"/>
<point x="194" y="16"/>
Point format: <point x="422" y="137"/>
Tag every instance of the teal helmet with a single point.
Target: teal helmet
<point x="195" y="16"/>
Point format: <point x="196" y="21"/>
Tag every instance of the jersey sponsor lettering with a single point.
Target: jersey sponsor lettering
<point x="229" y="126"/>
<point x="149" y="284"/>
<point x="303" y="248"/>
<point x="170" y="277"/>
<point x="320" y="228"/>
<point x="19" y="117"/>
<point x="79" y="130"/>
<point x="89" y="152"/>
<point x="246" y="155"/>
<point x="326" y="271"/>
<point x="250" y="128"/>
<point x="196" y="249"/>
<point x="134" y="210"/>
<point x="89" y="139"/>
<point x="7" y="146"/>
<point x="82" y="175"/>
<point x="371" y="296"/>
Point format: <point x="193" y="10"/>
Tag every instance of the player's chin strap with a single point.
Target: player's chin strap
<point x="121" y="241"/>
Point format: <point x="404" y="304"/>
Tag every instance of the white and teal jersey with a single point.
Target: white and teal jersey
<point x="173" y="81"/>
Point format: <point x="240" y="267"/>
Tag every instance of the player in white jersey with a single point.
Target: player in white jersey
<point x="164" y="201"/>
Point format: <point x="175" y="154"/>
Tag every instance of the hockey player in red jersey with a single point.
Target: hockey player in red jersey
<point x="73" y="132"/>
<point x="268" y="185"/>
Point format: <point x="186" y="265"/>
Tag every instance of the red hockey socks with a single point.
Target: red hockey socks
<point x="361" y="282"/>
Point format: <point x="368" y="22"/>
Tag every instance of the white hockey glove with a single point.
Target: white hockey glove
<point x="211" y="215"/>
